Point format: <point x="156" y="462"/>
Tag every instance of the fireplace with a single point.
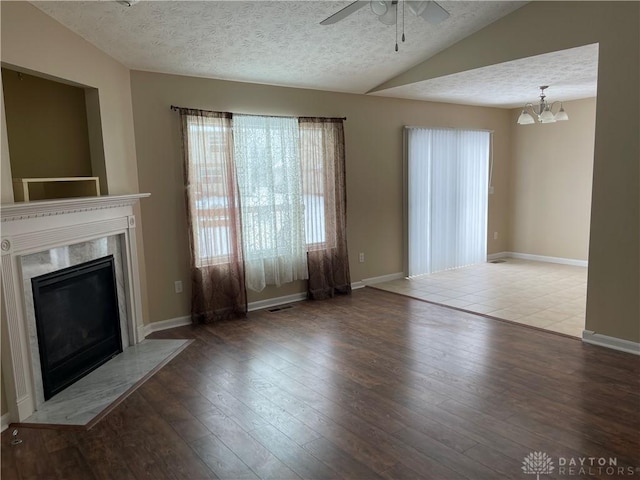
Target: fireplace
<point x="77" y="321"/>
<point x="43" y="237"/>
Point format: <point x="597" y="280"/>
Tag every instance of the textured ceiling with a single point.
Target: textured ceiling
<point x="570" y="74"/>
<point x="270" y="42"/>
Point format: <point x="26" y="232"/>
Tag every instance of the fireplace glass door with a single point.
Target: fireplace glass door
<point x="77" y="321"/>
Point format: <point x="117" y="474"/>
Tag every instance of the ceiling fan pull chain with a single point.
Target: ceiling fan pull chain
<point x="396" y="26"/>
<point x="403" y="3"/>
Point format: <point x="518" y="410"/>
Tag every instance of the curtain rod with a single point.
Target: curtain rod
<point x="406" y="127"/>
<point x="175" y="109"/>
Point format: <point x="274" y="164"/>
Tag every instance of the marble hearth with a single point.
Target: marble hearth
<point x="45" y="236"/>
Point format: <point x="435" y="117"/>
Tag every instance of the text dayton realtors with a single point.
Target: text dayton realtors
<point x="592" y="466"/>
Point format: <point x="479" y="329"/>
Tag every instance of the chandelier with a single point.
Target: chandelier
<point x="543" y="111"/>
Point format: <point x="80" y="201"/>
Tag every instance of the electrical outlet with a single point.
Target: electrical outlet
<point x="178" y="286"/>
<point x="361" y="257"/>
<point x="495" y="235"/>
<point x="491" y="190"/>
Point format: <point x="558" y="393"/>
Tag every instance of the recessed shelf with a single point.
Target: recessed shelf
<point x="26" y="189"/>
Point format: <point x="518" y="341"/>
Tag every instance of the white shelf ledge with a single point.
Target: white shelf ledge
<point x="41" y="188"/>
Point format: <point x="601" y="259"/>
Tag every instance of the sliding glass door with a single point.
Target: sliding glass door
<point x="447" y="180"/>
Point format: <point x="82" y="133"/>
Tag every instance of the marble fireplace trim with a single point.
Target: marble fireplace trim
<point x="33" y="227"/>
<point x="52" y="260"/>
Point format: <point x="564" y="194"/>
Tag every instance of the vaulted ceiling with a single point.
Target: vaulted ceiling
<point x="283" y="43"/>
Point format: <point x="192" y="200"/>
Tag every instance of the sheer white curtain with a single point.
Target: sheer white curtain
<point x="267" y="159"/>
<point x="448" y="174"/>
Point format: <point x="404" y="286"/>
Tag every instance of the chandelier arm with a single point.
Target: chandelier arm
<point x="552" y="104"/>
<point x="532" y="109"/>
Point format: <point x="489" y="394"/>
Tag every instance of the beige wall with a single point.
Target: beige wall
<point x="550" y="184"/>
<point x="3" y="397"/>
<point x="373" y="132"/>
<point x="47" y="127"/>
<point x="613" y="308"/>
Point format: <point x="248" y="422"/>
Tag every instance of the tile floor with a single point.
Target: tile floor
<point x="539" y="294"/>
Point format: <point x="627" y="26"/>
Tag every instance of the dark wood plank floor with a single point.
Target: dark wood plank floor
<point x="370" y="386"/>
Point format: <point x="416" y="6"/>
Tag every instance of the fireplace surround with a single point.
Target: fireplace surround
<point x="40" y="237"/>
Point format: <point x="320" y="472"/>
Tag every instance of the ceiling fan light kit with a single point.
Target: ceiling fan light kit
<point x="430" y="11"/>
<point x="389" y="17"/>
<point x="543" y="111"/>
<point x="387" y="12"/>
<point x="379" y="8"/>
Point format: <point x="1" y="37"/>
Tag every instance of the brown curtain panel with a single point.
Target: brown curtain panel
<point x="213" y="214"/>
<point x="323" y="167"/>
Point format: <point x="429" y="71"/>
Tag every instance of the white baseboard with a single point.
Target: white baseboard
<point x="383" y="278"/>
<point x="166" y="324"/>
<point x="262" y="304"/>
<point x="275" y="302"/>
<point x="589" y="336"/>
<point x="5" y="421"/>
<point x="539" y="258"/>
<point x="252" y="306"/>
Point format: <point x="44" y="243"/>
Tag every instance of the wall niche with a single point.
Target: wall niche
<point x="54" y="132"/>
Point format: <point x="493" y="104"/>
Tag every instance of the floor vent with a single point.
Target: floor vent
<point x="497" y="261"/>
<point x="277" y="309"/>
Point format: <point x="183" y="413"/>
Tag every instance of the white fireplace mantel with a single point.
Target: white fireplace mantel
<point x="31" y="227"/>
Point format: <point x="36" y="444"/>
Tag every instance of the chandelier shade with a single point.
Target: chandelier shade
<point x="525" y="118"/>
<point x="561" y="115"/>
<point x="543" y="112"/>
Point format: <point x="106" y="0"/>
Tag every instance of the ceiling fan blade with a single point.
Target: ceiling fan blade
<point x="345" y="12"/>
<point x="434" y="13"/>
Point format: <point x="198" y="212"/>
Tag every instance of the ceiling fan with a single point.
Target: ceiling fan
<point x="387" y="11"/>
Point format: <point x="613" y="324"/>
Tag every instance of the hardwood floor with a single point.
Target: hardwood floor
<point x="375" y="385"/>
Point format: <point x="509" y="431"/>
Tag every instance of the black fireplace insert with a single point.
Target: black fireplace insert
<point x="77" y="321"/>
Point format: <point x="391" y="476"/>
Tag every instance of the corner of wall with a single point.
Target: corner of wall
<point x="6" y="187"/>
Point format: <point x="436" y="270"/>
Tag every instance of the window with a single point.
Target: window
<point x="267" y="159"/>
<point x="266" y="205"/>
<point x="209" y="183"/>
<point x="283" y="198"/>
<point x="318" y="192"/>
